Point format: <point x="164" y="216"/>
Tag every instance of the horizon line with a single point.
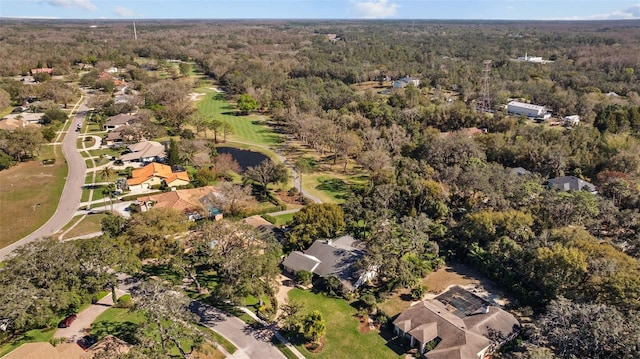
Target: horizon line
<point x="43" y="18"/>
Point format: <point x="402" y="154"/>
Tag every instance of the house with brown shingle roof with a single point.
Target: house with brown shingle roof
<point x="48" y="351"/>
<point x="42" y="70"/>
<point x="155" y="174"/>
<point x="195" y="203"/>
<point x="457" y="324"/>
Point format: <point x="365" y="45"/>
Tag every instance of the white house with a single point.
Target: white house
<point x="403" y="82"/>
<point x="527" y="109"/>
<point x="572" y="120"/>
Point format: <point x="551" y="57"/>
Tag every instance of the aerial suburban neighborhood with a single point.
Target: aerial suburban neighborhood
<point x="291" y="186"/>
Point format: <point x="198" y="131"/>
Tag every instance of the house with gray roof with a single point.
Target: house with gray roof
<point x="331" y="258"/>
<point x="116" y="121"/>
<point x="570" y="183"/>
<point x="144" y="152"/>
<point x="456" y="325"/>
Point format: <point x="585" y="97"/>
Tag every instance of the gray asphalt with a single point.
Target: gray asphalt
<point x="251" y="343"/>
<point x="72" y="192"/>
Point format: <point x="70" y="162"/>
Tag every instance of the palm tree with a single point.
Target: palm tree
<point x="107" y="174"/>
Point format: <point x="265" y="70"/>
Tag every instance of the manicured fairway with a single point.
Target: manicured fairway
<point x="247" y="129"/>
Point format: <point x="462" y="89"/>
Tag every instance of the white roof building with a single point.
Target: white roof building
<point x="527" y="109"/>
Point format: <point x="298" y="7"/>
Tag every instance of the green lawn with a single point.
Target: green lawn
<point x="283" y="219"/>
<point x="73" y="221"/>
<point x="327" y="188"/>
<point x="343" y="338"/>
<point x="104" y="151"/>
<point x="33" y="191"/>
<point x="250" y="129"/>
<point x="89" y="224"/>
<point x="119" y="322"/>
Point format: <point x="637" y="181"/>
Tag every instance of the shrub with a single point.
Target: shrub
<point x="418" y="292"/>
<point x="187" y="134"/>
<point x="124" y="302"/>
<point x="303" y="277"/>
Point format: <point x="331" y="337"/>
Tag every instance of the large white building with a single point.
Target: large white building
<point x="527" y="109"/>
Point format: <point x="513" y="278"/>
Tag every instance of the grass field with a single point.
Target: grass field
<point x="283" y="219"/>
<point x="343" y="338"/>
<point x="29" y="193"/>
<point x="248" y="129"/>
<point x="89" y="224"/>
<point x="330" y="187"/>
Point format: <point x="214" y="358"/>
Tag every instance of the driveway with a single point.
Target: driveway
<point x="82" y="325"/>
<point x="72" y="192"/>
<point x="251" y="343"/>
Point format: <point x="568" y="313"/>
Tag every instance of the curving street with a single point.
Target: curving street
<point x="72" y="192"/>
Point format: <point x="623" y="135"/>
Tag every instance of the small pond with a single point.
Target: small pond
<point x="245" y="158"/>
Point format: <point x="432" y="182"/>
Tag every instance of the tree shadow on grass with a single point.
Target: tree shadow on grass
<point x="338" y="187"/>
<point x="123" y="330"/>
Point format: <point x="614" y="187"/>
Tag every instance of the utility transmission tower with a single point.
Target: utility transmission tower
<point x="485" y="104"/>
<point x="135" y="33"/>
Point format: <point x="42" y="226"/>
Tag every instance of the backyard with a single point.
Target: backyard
<point x="343" y="338"/>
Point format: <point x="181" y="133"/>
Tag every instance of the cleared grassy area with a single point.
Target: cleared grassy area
<point x="343" y="338"/>
<point x="249" y="129"/>
<point x="89" y="224"/>
<point x="328" y="187"/>
<point x="30" y="193"/>
<point x="282" y="219"/>
<point x="73" y="221"/>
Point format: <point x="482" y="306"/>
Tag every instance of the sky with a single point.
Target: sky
<point x="323" y="9"/>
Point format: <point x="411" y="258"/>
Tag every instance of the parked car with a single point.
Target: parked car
<point x="66" y="322"/>
<point x="86" y="342"/>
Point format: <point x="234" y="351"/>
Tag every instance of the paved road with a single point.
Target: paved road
<point x="72" y="191"/>
<point x="251" y="343"/>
